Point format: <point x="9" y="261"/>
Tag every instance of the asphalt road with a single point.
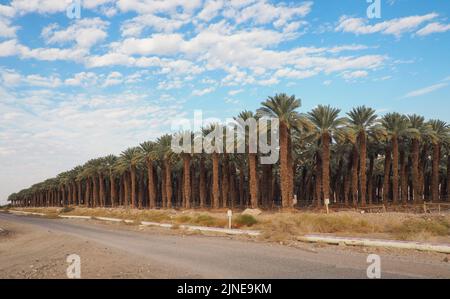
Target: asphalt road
<point x="216" y="257"/>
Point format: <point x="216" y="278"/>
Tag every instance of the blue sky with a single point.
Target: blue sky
<point x="73" y="89"/>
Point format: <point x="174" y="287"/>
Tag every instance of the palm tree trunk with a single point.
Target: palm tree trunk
<point x="140" y="185"/>
<point x="126" y="184"/>
<point x="101" y="182"/>
<point x="362" y="166"/>
<point x="202" y="183"/>
<point x="241" y="186"/>
<point x="151" y="185"/>
<point x="87" y="197"/>
<point x="326" y="166"/>
<point x="395" y="160"/>
<point x="387" y="174"/>
<point x="96" y="194"/>
<point x="435" y="172"/>
<point x="415" y="171"/>
<point x="370" y="179"/>
<point x="253" y="173"/>
<point x="354" y="188"/>
<point x="187" y="181"/>
<point x="232" y="180"/>
<point x="133" y="186"/>
<point x="404" y="177"/>
<point x="318" y="185"/>
<point x="284" y="166"/>
<point x="112" y="182"/>
<point x="169" y="190"/>
<point x="163" y="188"/>
<point x="448" y="176"/>
<point x="225" y="181"/>
<point x="215" y="189"/>
<point x="347" y="177"/>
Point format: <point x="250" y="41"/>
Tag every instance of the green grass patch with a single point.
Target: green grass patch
<point x="245" y="220"/>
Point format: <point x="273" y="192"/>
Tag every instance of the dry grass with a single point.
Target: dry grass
<point x="287" y="226"/>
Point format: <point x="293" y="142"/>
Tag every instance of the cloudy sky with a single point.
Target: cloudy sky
<point x="74" y="89"/>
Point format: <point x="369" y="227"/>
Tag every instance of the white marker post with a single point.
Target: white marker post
<point x="229" y="214"/>
<point x="327" y="202"/>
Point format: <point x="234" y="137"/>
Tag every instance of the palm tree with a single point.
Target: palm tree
<point x="440" y="130"/>
<point x="149" y="155"/>
<point x="327" y="122"/>
<point x="284" y="108"/>
<point x="130" y="159"/>
<point x="215" y="163"/>
<point x="362" y="119"/>
<point x="396" y="125"/>
<point x="418" y="123"/>
<point x="167" y="156"/>
<point x="109" y="164"/>
<point x="252" y="158"/>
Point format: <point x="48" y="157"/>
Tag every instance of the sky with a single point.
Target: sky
<point x="73" y="88"/>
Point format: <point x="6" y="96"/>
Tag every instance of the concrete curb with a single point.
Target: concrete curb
<point x="113" y="219"/>
<point x="206" y="229"/>
<point x="74" y="217"/>
<point x="26" y="213"/>
<point x="442" y="248"/>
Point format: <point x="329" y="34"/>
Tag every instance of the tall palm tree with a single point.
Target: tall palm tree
<point x="396" y="125"/>
<point x="440" y="131"/>
<point x="327" y="122"/>
<point x="130" y="159"/>
<point x="167" y="156"/>
<point x="215" y="163"/>
<point x="252" y="158"/>
<point x="109" y="164"/>
<point x="284" y="108"/>
<point x="362" y="119"/>
<point x="416" y="122"/>
<point x="150" y="154"/>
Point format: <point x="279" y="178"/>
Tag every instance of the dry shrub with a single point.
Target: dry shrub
<point x="423" y="227"/>
<point x="245" y="220"/>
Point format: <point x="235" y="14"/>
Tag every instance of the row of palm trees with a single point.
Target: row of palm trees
<point x="354" y="160"/>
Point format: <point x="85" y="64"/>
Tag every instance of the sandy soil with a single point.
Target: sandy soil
<point x="27" y="252"/>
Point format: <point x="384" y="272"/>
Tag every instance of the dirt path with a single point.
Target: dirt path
<point x="38" y="247"/>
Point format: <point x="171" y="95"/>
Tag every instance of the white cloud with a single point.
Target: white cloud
<point x="202" y="92"/>
<point x="210" y="10"/>
<point x="235" y="92"/>
<point x="135" y="26"/>
<point x="426" y="90"/>
<point x="114" y="78"/>
<point x="157" y="6"/>
<point x="6" y="28"/>
<point x="82" y="79"/>
<point x="433" y="28"/>
<point x="85" y="32"/>
<point x="355" y="75"/>
<point x="263" y="12"/>
<point x="393" y="27"/>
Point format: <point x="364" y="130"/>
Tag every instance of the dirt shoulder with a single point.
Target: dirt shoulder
<point x="30" y="252"/>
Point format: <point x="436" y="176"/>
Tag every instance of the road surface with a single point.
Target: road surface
<point x="116" y="251"/>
